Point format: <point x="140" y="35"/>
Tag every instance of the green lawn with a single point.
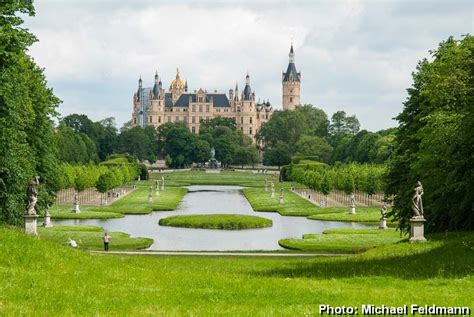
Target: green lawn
<point x="343" y="241"/>
<point x="42" y="278"/>
<point x="196" y="177"/>
<point x="295" y="205"/>
<point x="363" y="214"/>
<point x="89" y="237"/>
<point x="216" y="221"/>
<point x="135" y="202"/>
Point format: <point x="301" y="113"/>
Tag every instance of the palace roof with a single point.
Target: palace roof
<point x="218" y="100"/>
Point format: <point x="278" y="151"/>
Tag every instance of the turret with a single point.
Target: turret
<point x="156" y="86"/>
<point x="139" y="88"/>
<point x="247" y="95"/>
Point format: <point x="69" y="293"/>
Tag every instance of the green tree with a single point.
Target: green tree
<point x="178" y="142"/>
<point x="278" y="155"/>
<point x="435" y="140"/>
<point x="27" y="106"/>
<point x="202" y="152"/>
<point x="315" y="147"/>
<point x="288" y="126"/>
<point x="140" y="142"/>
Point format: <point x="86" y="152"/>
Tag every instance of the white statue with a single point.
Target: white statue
<point x="32" y="196"/>
<point x="417" y="203"/>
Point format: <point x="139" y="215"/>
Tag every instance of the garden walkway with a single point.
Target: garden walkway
<point x="206" y="253"/>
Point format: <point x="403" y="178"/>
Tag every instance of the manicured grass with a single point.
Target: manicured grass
<point x="217" y="221"/>
<point x="363" y="214"/>
<point x="89" y="237"/>
<point x="196" y="177"/>
<point x="135" y="202"/>
<point x="293" y="206"/>
<point x="41" y="278"/>
<point x="298" y="206"/>
<point x="87" y="212"/>
<point x="343" y="241"/>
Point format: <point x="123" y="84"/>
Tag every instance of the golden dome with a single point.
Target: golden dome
<point x="177" y="83"/>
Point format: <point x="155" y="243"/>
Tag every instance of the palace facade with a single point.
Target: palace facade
<point x="155" y="106"/>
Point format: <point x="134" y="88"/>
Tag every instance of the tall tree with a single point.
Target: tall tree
<point x="314" y="147"/>
<point x="435" y="142"/>
<point x="288" y="126"/>
<point x="278" y="155"/>
<point x="27" y="106"/>
<point x="139" y="142"/>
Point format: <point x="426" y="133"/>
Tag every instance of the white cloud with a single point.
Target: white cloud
<point x="354" y="55"/>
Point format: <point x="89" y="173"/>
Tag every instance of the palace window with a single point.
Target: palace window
<point x="291" y="99"/>
<point x="207" y="108"/>
<point x="169" y="119"/>
<point x="241" y="120"/>
<point x="193" y="129"/>
<point x="186" y="119"/>
<point x="200" y="108"/>
<point x="200" y="99"/>
<point x="193" y="119"/>
<point x="207" y="119"/>
<point x="226" y="110"/>
<point x="258" y="116"/>
<point x="200" y="119"/>
<point x="266" y="116"/>
<point x="177" y="119"/>
<point x="251" y="121"/>
<point x="159" y="119"/>
<point x="151" y="119"/>
<point x="194" y="108"/>
<point x="250" y="130"/>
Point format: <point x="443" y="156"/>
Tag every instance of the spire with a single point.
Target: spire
<point x="292" y="54"/>
<point x="186" y="86"/>
<point x="247" y="89"/>
<point x="236" y="92"/>
<point x="156" y="86"/>
<point x="291" y="73"/>
<point x="140" y="82"/>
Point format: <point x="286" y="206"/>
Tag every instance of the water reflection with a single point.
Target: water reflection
<point x="208" y="200"/>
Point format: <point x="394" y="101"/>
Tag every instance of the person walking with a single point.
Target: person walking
<point x="106" y="239"/>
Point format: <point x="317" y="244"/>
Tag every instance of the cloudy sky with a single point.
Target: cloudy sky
<point x="355" y="56"/>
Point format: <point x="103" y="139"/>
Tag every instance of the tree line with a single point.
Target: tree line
<point x="307" y="133"/>
<point x="367" y="178"/>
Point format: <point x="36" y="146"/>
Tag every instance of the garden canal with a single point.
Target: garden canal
<point x="213" y="200"/>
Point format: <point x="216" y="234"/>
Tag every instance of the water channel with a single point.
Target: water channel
<point x="213" y="200"/>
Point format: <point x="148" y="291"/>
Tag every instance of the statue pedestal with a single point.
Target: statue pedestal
<point x="353" y="211"/>
<point x="417" y="229"/>
<point x="31" y="222"/>
<point x="47" y="221"/>
<point x="76" y="209"/>
<point x="383" y="223"/>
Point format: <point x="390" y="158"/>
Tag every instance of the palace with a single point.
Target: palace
<point x="155" y="106"/>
